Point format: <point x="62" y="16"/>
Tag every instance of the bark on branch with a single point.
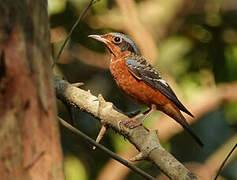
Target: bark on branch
<point x="145" y="141"/>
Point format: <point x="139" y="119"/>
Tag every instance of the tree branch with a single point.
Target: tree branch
<point x="146" y="142"/>
<point x="107" y="151"/>
<point x="223" y="163"/>
<point x="212" y="98"/>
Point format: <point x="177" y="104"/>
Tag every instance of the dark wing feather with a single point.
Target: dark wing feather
<point x="145" y="72"/>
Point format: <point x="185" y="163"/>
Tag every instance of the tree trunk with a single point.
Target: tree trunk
<point x="30" y="145"/>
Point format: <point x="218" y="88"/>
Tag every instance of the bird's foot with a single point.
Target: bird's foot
<point x="132" y="122"/>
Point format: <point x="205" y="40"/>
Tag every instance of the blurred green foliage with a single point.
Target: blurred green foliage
<point x="74" y="168"/>
<point x="199" y="54"/>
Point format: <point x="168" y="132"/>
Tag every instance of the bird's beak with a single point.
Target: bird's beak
<point x="99" y="38"/>
<point x="103" y="40"/>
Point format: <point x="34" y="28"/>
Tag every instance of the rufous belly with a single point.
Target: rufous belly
<point x="136" y="89"/>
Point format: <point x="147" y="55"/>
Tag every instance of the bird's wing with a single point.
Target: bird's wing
<point x="141" y="70"/>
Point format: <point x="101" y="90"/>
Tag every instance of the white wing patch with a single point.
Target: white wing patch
<point x="163" y="82"/>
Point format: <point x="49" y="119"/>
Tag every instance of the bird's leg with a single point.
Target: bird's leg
<point x="134" y="119"/>
<point x="132" y="122"/>
<point x="132" y="125"/>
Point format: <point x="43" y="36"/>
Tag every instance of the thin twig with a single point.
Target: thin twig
<point x="71" y="31"/>
<point x="100" y="135"/>
<point x="223" y="163"/>
<point x="110" y="153"/>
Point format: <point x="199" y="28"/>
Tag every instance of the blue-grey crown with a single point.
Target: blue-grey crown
<point x="127" y="43"/>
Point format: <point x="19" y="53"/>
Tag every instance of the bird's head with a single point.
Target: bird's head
<point x="117" y="43"/>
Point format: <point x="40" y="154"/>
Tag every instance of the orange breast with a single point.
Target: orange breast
<point x="137" y="90"/>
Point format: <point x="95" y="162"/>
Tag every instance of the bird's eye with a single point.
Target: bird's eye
<point x="117" y="39"/>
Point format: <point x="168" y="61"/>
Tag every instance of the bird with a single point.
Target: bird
<point x="141" y="82"/>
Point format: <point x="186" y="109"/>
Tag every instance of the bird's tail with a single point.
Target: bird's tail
<point x="187" y="127"/>
<point x="178" y="117"/>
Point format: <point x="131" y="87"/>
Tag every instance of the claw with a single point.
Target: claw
<point x="132" y="122"/>
<point x="134" y="125"/>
